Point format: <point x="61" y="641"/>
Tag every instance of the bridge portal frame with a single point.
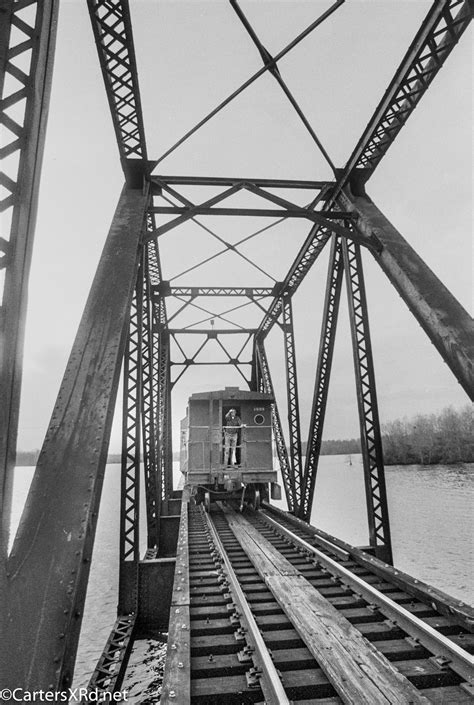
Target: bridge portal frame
<point x="445" y="23"/>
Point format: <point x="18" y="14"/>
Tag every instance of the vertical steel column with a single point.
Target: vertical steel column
<point x="165" y="418"/>
<point x="374" y="474"/>
<point x="25" y="83"/>
<point x="292" y="398"/>
<point x="149" y="405"/>
<point x="266" y="385"/>
<point x="131" y="454"/>
<point x="323" y="373"/>
<point x="255" y="377"/>
<point x="48" y="568"/>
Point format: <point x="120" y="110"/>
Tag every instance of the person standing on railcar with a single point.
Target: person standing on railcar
<point x="231" y="434"/>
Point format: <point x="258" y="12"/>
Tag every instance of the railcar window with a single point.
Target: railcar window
<point x="259" y="419"/>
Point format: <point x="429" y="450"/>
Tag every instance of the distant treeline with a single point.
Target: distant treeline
<point x="446" y="437"/>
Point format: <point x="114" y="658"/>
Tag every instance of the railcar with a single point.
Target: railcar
<point x="203" y="460"/>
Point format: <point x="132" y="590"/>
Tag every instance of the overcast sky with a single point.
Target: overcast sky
<point x="190" y="56"/>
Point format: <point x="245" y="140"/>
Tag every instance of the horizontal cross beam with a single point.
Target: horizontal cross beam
<point x="212" y="333"/>
<point x="231" y="180"/>
<point x="256" y="212"/>
<point x="195" y="291"/>
<point x="232" y="361"/>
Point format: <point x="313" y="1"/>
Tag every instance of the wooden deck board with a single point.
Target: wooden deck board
<point x="357" y="671"/>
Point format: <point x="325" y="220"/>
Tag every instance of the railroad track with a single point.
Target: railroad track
<point x="278" y="615"/>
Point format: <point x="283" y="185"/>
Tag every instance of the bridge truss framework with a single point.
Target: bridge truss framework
<point x="135" y="329"/>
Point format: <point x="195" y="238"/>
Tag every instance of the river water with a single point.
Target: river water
<point x="431" y="514"/>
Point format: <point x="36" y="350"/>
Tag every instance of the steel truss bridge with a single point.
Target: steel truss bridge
<point x="210" y="576"/>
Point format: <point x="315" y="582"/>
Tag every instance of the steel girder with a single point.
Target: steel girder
<point x="131" y="455"/>
<point x="443" y="26"/>
<point x="194" y="291"/>
<point x="27" y="44"/>
<point x="265" y="384"/>
<point x="293" y="400"/>
<point x="110" y="669"/>
<point x="161" y="378"/>
<point x="113" y="35"/>
<point x="164" y="414"/>
<point x="48" y="569"/>
<point x="152" y="466"/>
<point x="158" y="181"/>
<point x="307" y="256"/>
<point x="287" y="209"/>
<point x="323" y="373"/>
<point x="448" y="325"/>
<point x="371" y="442"/>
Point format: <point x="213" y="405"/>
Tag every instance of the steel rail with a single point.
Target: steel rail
<point x="270" y="680"/>
<point x="460" y="660"/>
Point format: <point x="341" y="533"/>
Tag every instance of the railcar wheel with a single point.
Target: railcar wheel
<point x="256" y="500"/>
<point x="207" y="502"/>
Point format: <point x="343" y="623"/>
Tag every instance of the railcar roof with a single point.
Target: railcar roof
<point x="231" y="394"/>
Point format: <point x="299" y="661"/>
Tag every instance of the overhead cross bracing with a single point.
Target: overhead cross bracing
<point x="175" y="286"/>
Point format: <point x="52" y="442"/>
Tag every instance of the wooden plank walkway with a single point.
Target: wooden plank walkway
<point x="358" y="672"/>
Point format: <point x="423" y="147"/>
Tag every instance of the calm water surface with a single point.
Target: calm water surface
<point x="431" y="514"/>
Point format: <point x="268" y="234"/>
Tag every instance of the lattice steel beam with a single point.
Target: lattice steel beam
<point x="194" y="291"/>
<point x="443" y="26"/>
<point x="113" y="36"/>
<point x="27" y="45"/>
<point x="293" y="400"/>
<point x="110" y="670"/>
<point x="305" y="259"/>
<point x="48" y="567"/>
<point x="164" y="413"/>
<point x="151" y="461"/>
<point x="161" y="378"/>
<point x="131" y="454"/>
<point x="372" y="454"/>
<point x="211" y="333"/>
<point x="323" y="373"/>
<point x="265" y="384"/>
